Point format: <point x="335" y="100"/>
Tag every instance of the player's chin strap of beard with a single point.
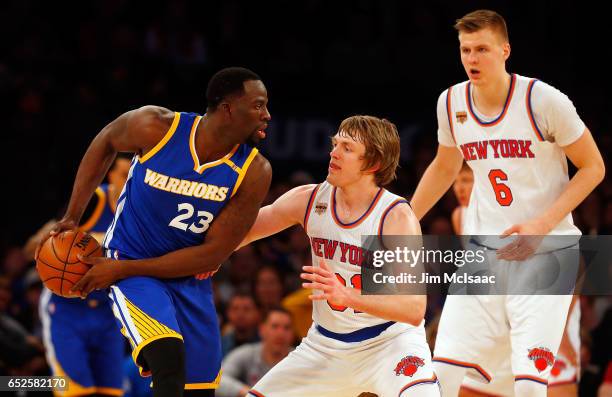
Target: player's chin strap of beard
<point x="165" y="358"/>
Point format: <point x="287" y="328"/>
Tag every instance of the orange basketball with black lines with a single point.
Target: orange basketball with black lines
<point x="57" y="262"/>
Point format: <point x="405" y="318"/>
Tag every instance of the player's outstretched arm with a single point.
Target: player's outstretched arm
<point x="288" y="210"/>
<point x="135" y="131"/>
<point x="410" y="309"/>
<point x="436" y="180"/>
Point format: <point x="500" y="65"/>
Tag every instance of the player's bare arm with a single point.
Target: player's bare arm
<point x="286" y="211"/>
<point x="436" y="180"/>
<point x="404" y="308"/>
<point x="585" y="155"/>
<point x="135" y="131"/>
<point x="225" y="233"/>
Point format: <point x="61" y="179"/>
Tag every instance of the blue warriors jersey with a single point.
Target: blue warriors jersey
<point x="170" y="198"/>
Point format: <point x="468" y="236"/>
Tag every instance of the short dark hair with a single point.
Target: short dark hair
<point x="277" y="309"/>
<point x="481" y="19"/>
<point x="226" y="82"/>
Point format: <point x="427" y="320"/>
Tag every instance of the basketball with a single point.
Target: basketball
<point x="57" y="262"/>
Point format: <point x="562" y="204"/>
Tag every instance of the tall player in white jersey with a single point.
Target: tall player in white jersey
<point x="357" y="342"/>
<point x="565" y="372"/>
<point x="515" y="133"/>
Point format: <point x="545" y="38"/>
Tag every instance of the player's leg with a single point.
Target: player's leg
<point x="502" y="384"/>
<point x="107" y="348"/>
<point x="450" y="377"/>
<point x="165" y="358"/>
<point x="538" y="321"/>
<point x="569" y="390"/>
<point x="314" y="368"/>
<point x="537" y="324"/>
<point x="471" y="330"/>
<point x="469" y="391"/>
<point x="64" y="340"/>
<point x="563" y="381"/>
<point x="398" y="365"/>
<point x="197" y="319"/>
<point x="146" y="311"/>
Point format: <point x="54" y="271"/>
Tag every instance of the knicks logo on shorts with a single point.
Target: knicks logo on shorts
<point x="408" y="365"/>
<point x="559" y="366"/>
<point x="541" y="357"/>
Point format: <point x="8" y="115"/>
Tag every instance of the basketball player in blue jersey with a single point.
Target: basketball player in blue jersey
<point x="80" y="336"/>
<point x="194" y="189"/>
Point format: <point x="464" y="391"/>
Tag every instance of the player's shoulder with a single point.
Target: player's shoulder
<point x="303" y="192"/>
<point x="400" y="211"/>
<point x="152" y="117"/>
<point x="544" y="97"/>
<point x="453" y="88"/>
<point x="261" y="162"/>
<point x="542" y="89"/>
<point x="399" y="219"/>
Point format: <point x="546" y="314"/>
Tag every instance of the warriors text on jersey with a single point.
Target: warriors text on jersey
<point x="170" y="199"/>
<point x="519" y="165"/>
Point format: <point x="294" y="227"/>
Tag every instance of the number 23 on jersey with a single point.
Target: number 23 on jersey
<point x="186" y="219"/>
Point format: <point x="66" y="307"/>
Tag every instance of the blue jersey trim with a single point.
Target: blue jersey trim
<point x="356" y="336"/>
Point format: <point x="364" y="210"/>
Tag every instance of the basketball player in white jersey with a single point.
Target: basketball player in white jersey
<point x="515" y="134"/>
<point x="357" y="342"/>
<point x="566" y="370"/>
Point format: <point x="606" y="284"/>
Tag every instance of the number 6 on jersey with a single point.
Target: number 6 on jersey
<point x="503" y="194"/>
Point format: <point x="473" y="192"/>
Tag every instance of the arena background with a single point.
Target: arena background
<point x="68" y="69"/>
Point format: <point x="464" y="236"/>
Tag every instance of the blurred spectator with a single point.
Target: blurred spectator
<point x="243" y="266"/>
<point x="300" y="307"/>
<point x="243" y="318"/>
<point x="20" y="352"/>
<point x="268" y="288"/>
<point x="28" y="312"/>
<point x="244" y="366"/>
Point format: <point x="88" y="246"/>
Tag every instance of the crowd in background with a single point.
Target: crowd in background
<point x="66" y="77"/>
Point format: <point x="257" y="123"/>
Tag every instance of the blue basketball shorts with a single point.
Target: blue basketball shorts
<point x="83" y="344"/>
<point x="150" y="309"/>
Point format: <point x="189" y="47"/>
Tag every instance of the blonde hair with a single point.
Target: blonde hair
<point x="381" y="141"/>
<point x="481" y="19"/>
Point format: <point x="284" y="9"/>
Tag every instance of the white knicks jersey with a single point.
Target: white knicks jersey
<point x="340" y="246"/>
<point x="519" y="166"/>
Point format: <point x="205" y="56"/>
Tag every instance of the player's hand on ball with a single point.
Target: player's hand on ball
<point x="60" y="226"/>
<point x="103" y="273"/>
<point x="322" y="279"/>
<point x="530" y="236"/>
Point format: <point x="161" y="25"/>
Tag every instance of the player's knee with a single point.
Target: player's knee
<point x="166" y="360"/>
<point x="427" y="390"/>
<point x="529" y="388"/>
<point x="450" y="377"/>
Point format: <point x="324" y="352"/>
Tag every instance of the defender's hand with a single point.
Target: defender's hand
<point x="322" y="279"/>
